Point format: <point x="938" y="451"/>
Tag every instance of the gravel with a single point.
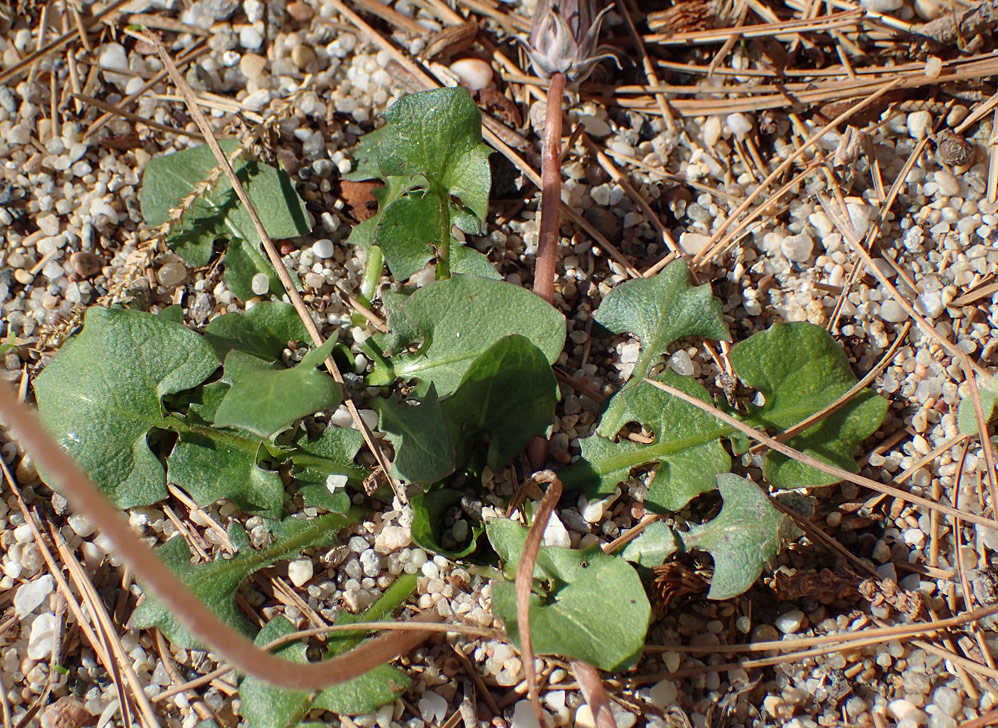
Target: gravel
<point x="71" y="235"/>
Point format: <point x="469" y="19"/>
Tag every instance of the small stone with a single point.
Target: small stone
<point x="797" y="247"/>
<point x="252" y="65"/>
<point x="902" y="709"/>
<point x="260" y="284"/>
<point x="171" y="274"/>
<point x="300" y="571"/>
<point x="302" y="55"/>
<point x="323" y="248"/>
<point x="474" y="73"/>
<point x="918" y="123"/>
<point x="67" y="712"/>
<point x="663" y="694"/>
<point x="370" y="562"/>
<point x="29" y="596"/>
<point x="556" y="534"/>
<point x="302" y="12"/>
<point x="595" y="126"/>
<point x="81" y="525"/>
<point x="693" y="243"/>
<point x="392" y="538"/>
<point x="433" y="707"/>
<point x="891" y="311"/>
<point x="789" y="622"/>
<point x="112" y="57"/>
<point x="711" y="131"/>
<point x="251" y="37"/>
<point x="525" y="717"/>
<point x="947" y="700"/>
<point x="43" y="630"/>
<point x="681" y="363"/>
<point x="739" y="124"/>
<point x="933" y="66"/>
<point x="86" y="264"/>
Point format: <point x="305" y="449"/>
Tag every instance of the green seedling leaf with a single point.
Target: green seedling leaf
<point x="572" y="619"/>
<point x="438" y="135"/>
<point x="747" y="534"/>
<point x="506" y="397"/>
<point x="266" y="706"/>
<point x="428" y="512"/>
<point x="103" y="394"/>
<point x="323" y="464"/>
<point x="470" y="262"/>
<point x="263" y="331"/>
<point x="215" y="582"/>
<point x="966" y="417"/>
<point x="455" y="321"/>
<point x="800" y="369"/>
<point x="655" y="544"/>
<point x="661" y="310"/>
<point x="687" y="445"/>
<point x="417" y="428"/>
<point x="169" y="180"/>
<point x="265" y="398"/>
<point x="436" y="172"/>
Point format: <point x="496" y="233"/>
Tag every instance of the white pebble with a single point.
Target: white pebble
<point x="300" y="571"/>
<point x="711" y="131"/>
<point x="251" y="37"/>
<point x="918" y="123"/>
<point x="29" y="596"/>
<point x="891" y="311"/>
<point x="595" y="126"/>
<point x="556" y="534"/>
<point x="947" y="700"/>
<point x="260" y="284"/>
<point x="370" y="562"/>
<point x="525" y="717"/>
<point x="797" y="247"/>
<point x="933" y="66"/>
<point x="681" y="363"/>
<point x="43" y="631"/>
<point x="392" y="538"/>
<point x="914" y="537"/>
<point x="336" y="482"/>
<point x="112" y="57"/>
<point x="323" y="248"/>
<point x="433" y="707"/>
<point x="790" y="622"/>
<point x="172" y="274"/>
<point x="474" y="73"/>
<point x="739" y="124"/>
<point x="693" y="243"/>
<point x="663" y="694"/>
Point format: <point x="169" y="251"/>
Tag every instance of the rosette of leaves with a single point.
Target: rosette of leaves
<point x="134" y="390"/>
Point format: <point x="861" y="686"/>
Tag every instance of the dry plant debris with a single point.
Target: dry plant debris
<point x="715" y="134"/>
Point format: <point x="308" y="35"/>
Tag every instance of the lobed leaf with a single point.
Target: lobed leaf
<point x="265" y="398"/>
<point x="455" y="321"/>
<point x="573" y="619"/>
<point x="661" y="310"/>
<point x="655" y="544"/>
<point x="747" y="533"/>
<point x="102" y="395"/>
<point x="330" y="453"/>
<point x="215" y="582"/>
<point x="800" y="369"/>
<point x="686" y="448"/>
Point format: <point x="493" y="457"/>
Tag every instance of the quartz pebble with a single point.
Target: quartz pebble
<point x="474" y="73"/>
<point x="171" y="274"/>
<point x="432" y="706"/>
<point x="260" y="284"/>
<point x="323" y="248"/>
<point x="29" y="596"/>
<point x="790" y="622"/>
<point x="40" y="639"/>
<point x="300" y="571"/>
<point x="86" y="265"/>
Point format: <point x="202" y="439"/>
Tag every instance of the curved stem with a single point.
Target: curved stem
<point x="547" y="244"/>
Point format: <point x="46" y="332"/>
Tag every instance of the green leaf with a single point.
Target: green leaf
<point x="745" y="535"/>
<point x="800" y="369"/>
<point x="103" y="393"/>
<point x="215" y="582"/>
<point x="428" y="511"/>
<point x="505" y="398"/>
<point x="266" y="706"/>
<point x="169" y="180"/>
<point x="423" y="449"/>
<point x="655" y="544"/>
<point x="265" y="398"/>
<point x="687" y="445"/>
<point x="332" y="452"/>
<point x="470" y="262"/>
<point x="409" y="231"/>
<point x="574" y="618"/>
<point x="661" y="310"/>
<point x="455" y="321"/>
<point x="263" y="331"/>
<point x="966" y="417"/>
<point x="438" y="135"/>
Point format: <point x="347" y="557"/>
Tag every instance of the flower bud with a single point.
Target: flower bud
<point x="564" y="38"/>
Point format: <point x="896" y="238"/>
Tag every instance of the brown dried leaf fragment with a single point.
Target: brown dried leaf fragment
<point x="823" y="586"/>
<point x="886" y="592"/>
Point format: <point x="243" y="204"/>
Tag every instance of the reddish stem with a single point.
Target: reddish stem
<point x="547" y="244"/>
